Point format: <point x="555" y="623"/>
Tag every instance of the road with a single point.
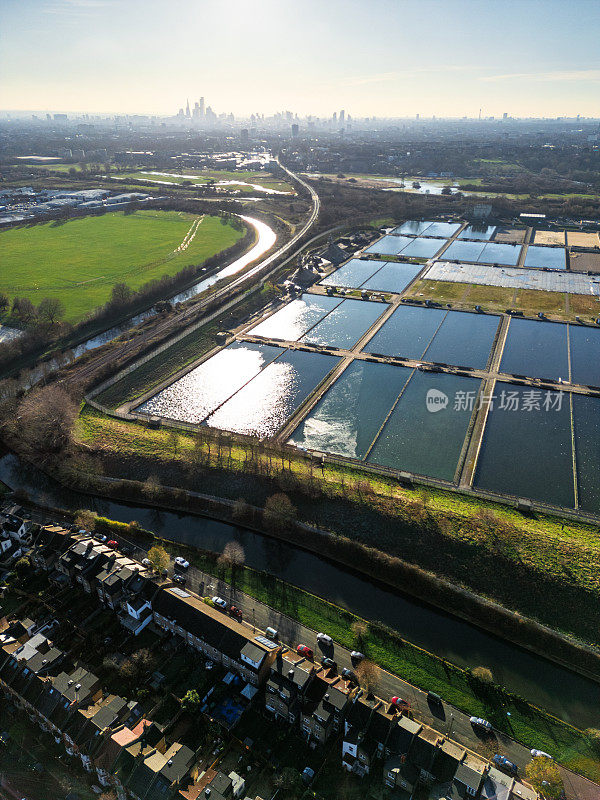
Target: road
<point x="447" y="719"/>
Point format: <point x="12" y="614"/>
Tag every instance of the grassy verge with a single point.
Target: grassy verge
<point x="528" y="724"/>
<point x="539" y="565"/>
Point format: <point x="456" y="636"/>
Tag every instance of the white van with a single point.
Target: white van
<point x="272" y="634"/>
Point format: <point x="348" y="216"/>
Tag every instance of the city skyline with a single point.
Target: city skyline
<point x="529" y="59"/>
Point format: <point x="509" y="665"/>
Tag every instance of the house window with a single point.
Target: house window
<point x="471" y="791"/>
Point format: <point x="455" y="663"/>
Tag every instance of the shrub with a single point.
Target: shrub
<point x="483" y="674"/>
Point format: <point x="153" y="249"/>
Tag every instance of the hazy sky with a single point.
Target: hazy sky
<point x="371" y="57"/>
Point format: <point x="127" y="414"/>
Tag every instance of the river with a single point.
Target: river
<point x="560" y="691"/>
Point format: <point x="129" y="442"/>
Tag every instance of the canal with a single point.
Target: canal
<point x="555" y="688"/>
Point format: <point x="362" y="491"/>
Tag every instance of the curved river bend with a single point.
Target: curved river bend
<point x="564" y="693"/>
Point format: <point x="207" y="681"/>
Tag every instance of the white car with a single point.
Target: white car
<point x="146" y="562"/>
<point x="540" y="754"/>
<point x="356" y="655"/>
<point x="324" y="638"/>
<point x="181" y="562"/>
<point x="478" y="722"/>
<point x="219" y="602"/>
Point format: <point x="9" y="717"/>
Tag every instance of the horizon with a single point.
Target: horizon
<point x="447" y="59"/>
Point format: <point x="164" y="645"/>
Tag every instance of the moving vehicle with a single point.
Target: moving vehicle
<point x="219" y="603"/>
<point x="305" y="651"/>
<point x="235" y="612"/>
<point x="503" y="763"/>
<point x="324" y="638"/>
<point x="479" y="722"/>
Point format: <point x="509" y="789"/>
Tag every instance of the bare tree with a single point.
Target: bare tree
<point x="44" y="421"/>
<point x="86" y="519"/>
<point x="232" y="557"/>
<point x="51" y="310"/>
<point x="278" y="511"/>
<point x="368" y="675"/>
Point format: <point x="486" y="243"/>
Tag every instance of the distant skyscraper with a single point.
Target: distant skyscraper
<point x="342" y="116"/>
<point x="295" y="130"/>
<point x="334" y="116"/>
<point x="202" y="110"/>
<point x="244" y="135"/>
<point x="505" y="115"/>
<point x="187" y="109"/>
<point x="418" y="116"/>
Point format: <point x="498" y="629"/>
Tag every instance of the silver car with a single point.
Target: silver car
<point x="478" y="722"/>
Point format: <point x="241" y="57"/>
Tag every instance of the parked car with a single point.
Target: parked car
<point x="307" y="775"/>
<point x="434" y="699"/>
<point x="324" y="638"/>
<point x="328" y="663"/>
<point x="112" y="543"/>
<point x="181" y="563"/>
<point x="127" y="550"/>
<point x="356" y="655"/>
<point x="146" y="562"/>
<point x="235" y="612"/>
<point x="271" y="633"/>
<point x="305" y="651"/>
<point x="179" y="579"/>
<point x="348" y="675"/>
<point x="219" y="603"/>
<point x="399" y="702"/>
<point x="478" y="722"/>
<point x="502" y="762"/>
<point x="540" y="754"/>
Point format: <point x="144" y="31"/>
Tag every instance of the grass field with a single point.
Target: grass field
<point x="80" y="260"/>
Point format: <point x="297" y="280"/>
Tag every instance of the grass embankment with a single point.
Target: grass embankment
<point x="184" y="352"/>
<point x="497" y="298"/>
<point x="240" y="179"/>
<point x="80" y="260"/>
<point x="540" y="566"/>
<point x="528" y="724"/>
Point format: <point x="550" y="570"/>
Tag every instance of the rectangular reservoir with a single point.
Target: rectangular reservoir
<point x="412" y="227"/>
<point x="268" y="401"/>
<point x="549" y="257"/>
<point x="464" y="340"/>
<point x="585" y="354"/>
<point x="536" y="349"/>
<point x="586" y="415"/>
<point x="393" y="277"/>
<point x="494" y="253"/>
<point x="389" y="245"/>
<point x="422" y="248"/>
<point x="407" y="332"/>
<point x="346" y="420"/>
<point x="423" y="435"/>
<point x="478" y="232"/>
<point x="353" y="274"/>
<point x="345" y="325"/>
<point x="463" y="251"/>
<point x="444" y="230"/>
<point x="296" y="318"/>
<point x="526" y="449"/>
<point x="198" y="393"/>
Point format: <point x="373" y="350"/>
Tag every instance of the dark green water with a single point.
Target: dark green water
<point x="419" y="440"/>
<point x="353" y="274"/>
<point x="296" y="318"/>
<point x="346" y="420"/>
<point x="407" y="332"/>
<point x="585" y="354"/>
<point x="267" y="402"/>
<point x="536" y="349"/>
<point x="528" y="453"/>
<point x="586" y="414"/>
<point x="393" y="277"/>
<point x="551" y="257"/>
<point x="345" y="325"/>
<point x="464" y="340"/>
<point x="198" y="393"/>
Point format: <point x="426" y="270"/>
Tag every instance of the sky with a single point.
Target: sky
<point x="385" y="58"/>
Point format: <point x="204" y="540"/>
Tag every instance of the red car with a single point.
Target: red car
<point x="399" y="702"/>
<point x="305" y="651"/>
<point x="112" y="543"/>
<point x="236" y="612"/>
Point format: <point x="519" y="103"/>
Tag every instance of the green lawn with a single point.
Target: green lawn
<point x="80" y="260"/>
